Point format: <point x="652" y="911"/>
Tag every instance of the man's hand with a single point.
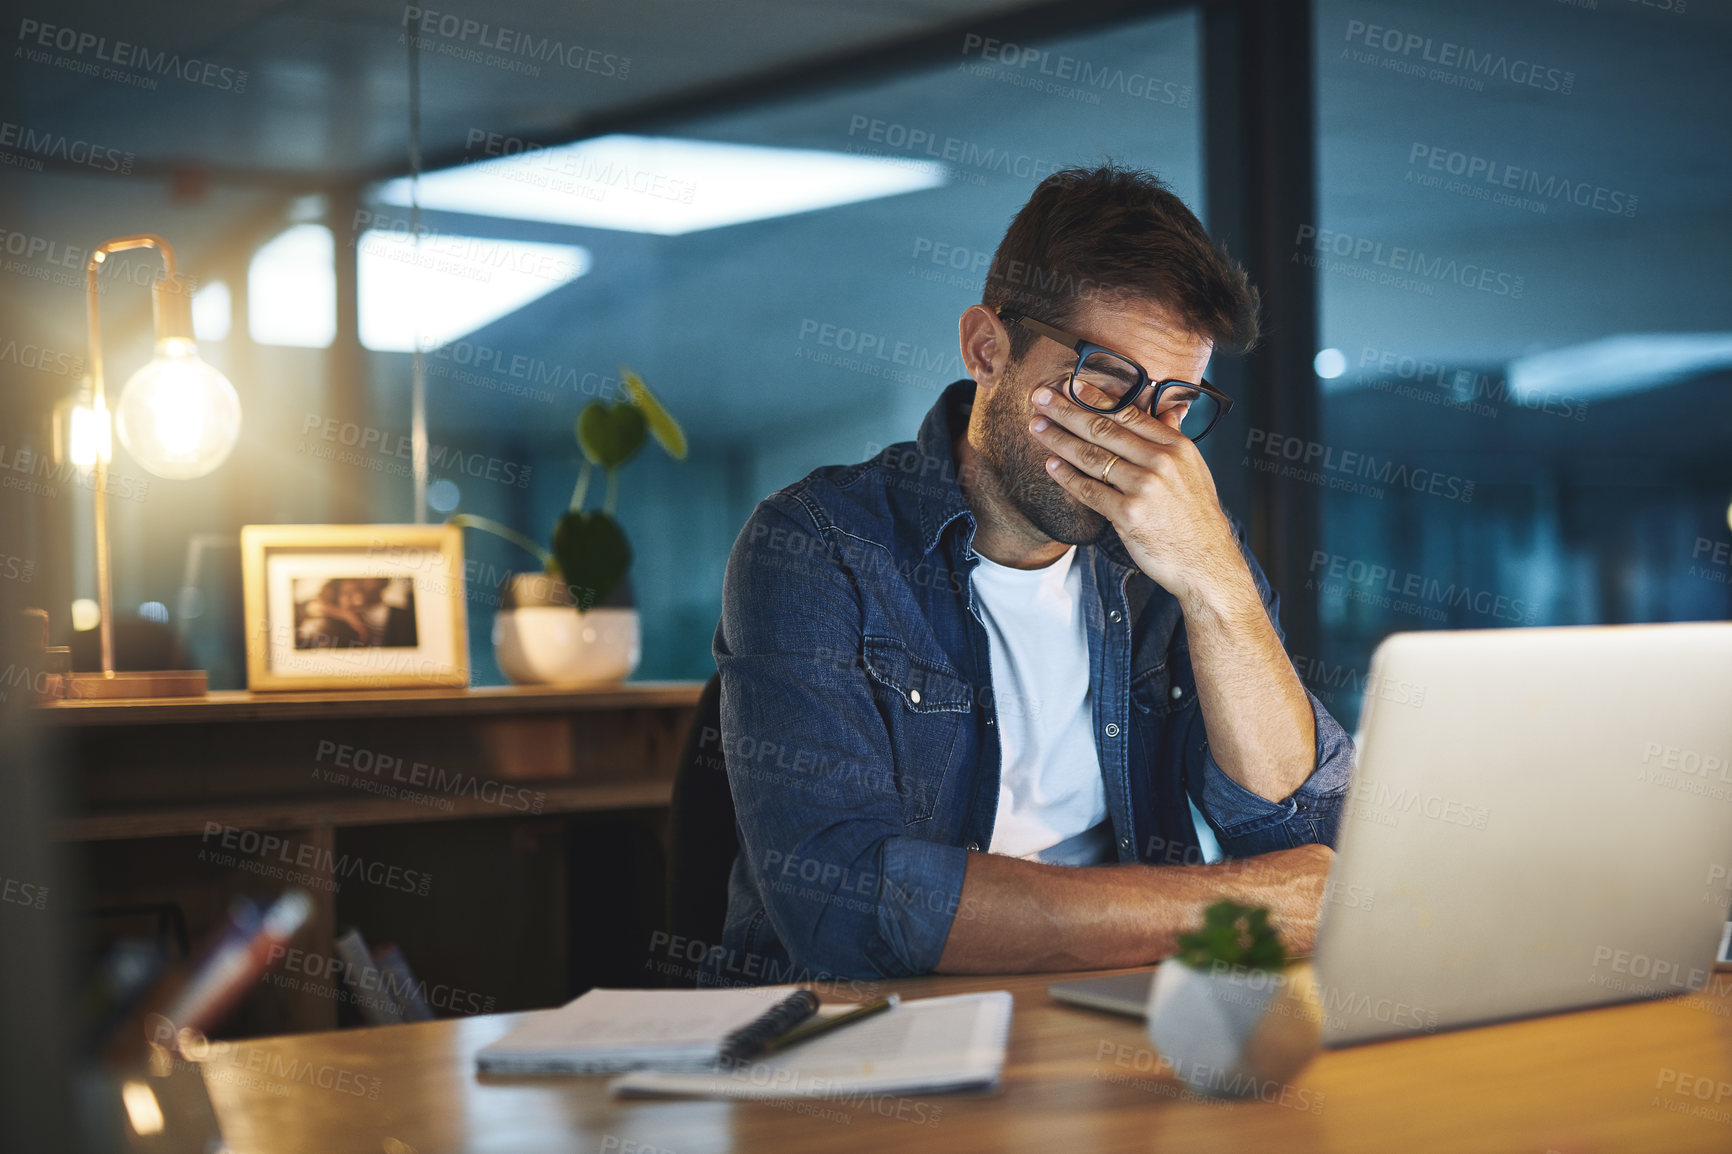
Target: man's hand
<point x="1161" y="499"/>
<point x="1291" y="883"/>
<point x="1159" y="494"/>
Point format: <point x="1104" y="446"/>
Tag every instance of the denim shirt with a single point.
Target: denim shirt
<point x="860" y="731"/>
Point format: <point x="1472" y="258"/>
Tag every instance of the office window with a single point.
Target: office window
<point x="292" y="289"/>
<point x="1520" y="252"/>
<point x="212" y="311"/>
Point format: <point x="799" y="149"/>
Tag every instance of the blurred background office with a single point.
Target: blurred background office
<point x="1493" y="240"/>
<point x="1516" y="405"/>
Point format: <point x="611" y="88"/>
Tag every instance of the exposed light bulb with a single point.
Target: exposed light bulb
<point x="177" y="415"/>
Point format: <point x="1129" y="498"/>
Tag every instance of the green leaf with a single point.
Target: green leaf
<point x="667" y="431"/>
<point x="593" y="555"/>
<point x="1233" y="935"/>
<point x="610" y="435"/>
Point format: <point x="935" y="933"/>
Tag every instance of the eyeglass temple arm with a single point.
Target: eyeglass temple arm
<point x="1011" y="316"/>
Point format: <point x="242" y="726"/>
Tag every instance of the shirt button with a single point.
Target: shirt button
<point x="1115" y="616"/>
<point x="1125" y="842"/>
<point x="1178" y="691"/>
<point x="1112" y="729"/>
<point x="914" y="696"/>
<point x="973" y="847"/>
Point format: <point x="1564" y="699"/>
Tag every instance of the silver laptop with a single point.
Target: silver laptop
<point x="1540" y="820"/>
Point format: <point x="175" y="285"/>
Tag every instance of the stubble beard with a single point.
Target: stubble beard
<point x="1018" y="463"/>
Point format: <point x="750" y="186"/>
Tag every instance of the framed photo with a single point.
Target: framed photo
<point x="354" y="606"/>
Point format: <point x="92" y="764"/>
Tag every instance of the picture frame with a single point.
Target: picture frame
<point x="354" y="606"/>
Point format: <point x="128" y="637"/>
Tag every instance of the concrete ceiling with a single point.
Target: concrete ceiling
<point x="325" y="87"/>
<point x="733" y="300"/>
<point x="1647" y="117"/>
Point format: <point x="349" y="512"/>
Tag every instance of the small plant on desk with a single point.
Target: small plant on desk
<point x="1224" y="1011"/>
<point x="1235" y="936"/>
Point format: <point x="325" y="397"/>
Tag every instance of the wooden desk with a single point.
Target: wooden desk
<point x="474" y="789"/>
<point x="1076" y="1082"/>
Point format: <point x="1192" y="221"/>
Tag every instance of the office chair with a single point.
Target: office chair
<point x="701" y="838"/>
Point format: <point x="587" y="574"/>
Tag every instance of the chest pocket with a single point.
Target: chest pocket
<point x="927" y="707"/>
<point x="1165" y="688"/>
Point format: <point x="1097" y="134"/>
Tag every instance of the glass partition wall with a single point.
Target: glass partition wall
<point x="793" y="338"/>
<point x="1521" y="251"/>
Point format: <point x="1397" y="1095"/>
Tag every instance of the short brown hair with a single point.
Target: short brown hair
<point x="1117" y="233"/>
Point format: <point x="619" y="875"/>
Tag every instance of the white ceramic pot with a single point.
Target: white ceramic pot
<point x="557" y="645"/>
<point x="1233" y="1032"/>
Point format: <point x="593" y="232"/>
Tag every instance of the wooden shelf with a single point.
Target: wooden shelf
<point x="239" y="705"/>
<point x="302" y="813"/>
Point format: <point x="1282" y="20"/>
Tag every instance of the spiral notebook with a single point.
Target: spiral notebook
<point x="610" y="1031"/>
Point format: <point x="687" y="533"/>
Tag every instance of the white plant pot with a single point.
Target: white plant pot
<point x="557" y="645"/>
<point x="1233" y="1032"/>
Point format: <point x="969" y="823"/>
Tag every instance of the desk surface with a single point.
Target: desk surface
<point x="1075" y="1082"/>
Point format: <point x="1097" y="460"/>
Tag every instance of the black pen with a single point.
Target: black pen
<point x="815" y="1027"/>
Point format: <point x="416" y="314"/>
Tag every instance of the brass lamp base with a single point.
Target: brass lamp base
<point x="156" y="683"/>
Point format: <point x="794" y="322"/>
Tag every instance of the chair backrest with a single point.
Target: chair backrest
<point x="701" y="837"/>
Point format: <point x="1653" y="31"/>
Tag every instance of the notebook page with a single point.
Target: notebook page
<point x="618" y="1029"/>
<point x="926" y="1045"/>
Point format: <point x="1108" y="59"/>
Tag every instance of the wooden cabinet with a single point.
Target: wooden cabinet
<point x="509" y="840"/>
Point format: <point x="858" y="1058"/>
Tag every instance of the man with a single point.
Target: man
<point x="1028" y="641"/>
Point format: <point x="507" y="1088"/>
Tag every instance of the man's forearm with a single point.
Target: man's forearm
<point x="1018" y="916"/>
<point x="1262" y="731"/>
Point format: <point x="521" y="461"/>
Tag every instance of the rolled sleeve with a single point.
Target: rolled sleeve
<point x="919" y="899"/>
<point x="1251" y="824"/>
<point x="824" y="851"/>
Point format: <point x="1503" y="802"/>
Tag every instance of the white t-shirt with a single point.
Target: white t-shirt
<point x="1052" y="803"/>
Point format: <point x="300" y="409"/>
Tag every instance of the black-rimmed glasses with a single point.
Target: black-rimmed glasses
<point x="1198" y="404"/>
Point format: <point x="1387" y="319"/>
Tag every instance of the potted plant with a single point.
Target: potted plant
<point x="1224" y="1013"/>
<point x="574" y="622"/>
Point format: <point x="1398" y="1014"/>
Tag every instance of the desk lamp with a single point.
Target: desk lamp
<point x="178" y="417"/>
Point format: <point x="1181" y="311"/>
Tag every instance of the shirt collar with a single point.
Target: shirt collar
<point x="938" y="497"/>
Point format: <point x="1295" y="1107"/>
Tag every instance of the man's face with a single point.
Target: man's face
<point x="1140" y="330"/>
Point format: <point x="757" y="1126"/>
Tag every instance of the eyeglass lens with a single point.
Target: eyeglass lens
<point x="1114" y="377"/>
